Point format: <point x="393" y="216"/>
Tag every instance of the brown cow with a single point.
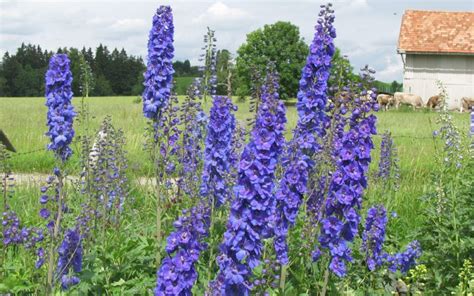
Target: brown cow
<point x="467" y="103"/>
<point x="434" y="101"/>
<point x="385" y="101"/>
<point x="410" y="99"/>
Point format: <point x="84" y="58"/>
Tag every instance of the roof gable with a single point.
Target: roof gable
<point x="437" y="32"/>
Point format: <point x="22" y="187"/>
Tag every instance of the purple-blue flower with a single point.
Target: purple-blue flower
<point x="373" y="236"/>
<point x="312" y="99"/>
<point x="159" y="73"/>
<point x="60" y="110"/>
<point x="312" y="94"/>
<point x="14" y="234"/>
<point x="388" y="163"/>
<point x="406" y="260"/>
<point x="252" y="210"/>
<point x="40" y="261"/>
<point x="70" y="258"/>
<point x="341" y="217"/>
<point x="194" y="125"/>
<point x="217" y="155"/>
<point x="177" y="273"/>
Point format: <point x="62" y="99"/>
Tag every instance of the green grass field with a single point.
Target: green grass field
<point x="23" y="120"/>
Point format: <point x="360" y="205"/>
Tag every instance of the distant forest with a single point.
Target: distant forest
<point x="114" y="71"/>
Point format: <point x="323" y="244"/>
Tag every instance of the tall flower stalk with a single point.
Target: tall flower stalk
<point x="252" y="209"/>
<point x="159" y="73"/>
<point x="389" y="170"/>
<point x="194" y="123"/>
<point x="60" y="123"/>
<point x="347" y="183"/>
<point x="209" y="69"/>
<point x="105" y="182"/>
<point x="70" y="258"/>
<point x="177" y="274"/>
<point x="60" y="110"/>
<point x="218" y="152"/>
<point x="158" y="87"/>
<point x="310" y="129"/>
<point x="373" y="236"/>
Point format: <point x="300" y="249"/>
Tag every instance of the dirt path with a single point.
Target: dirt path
<point x="35" y="179"/>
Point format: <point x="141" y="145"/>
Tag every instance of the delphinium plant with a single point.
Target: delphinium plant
<point x="13" y="233"/>
<point x="209" y="68"/>
<point x="382" y="269"/>
<point x="447" y="205"/>
<point x="252" y="208"/>
<point x="177" y="273"/>
<point x="238" y="143"/>
<point x="254" y="98"/>
<point x="87" y="77"/>
<point x="326" y="165"/>
<point x="216" y="178"/>
<point x="344" y="197"/>
<point x="312" y="120"/>
<point x="218" y="152"/>
<point x="156" y="99"/>
<point x="373" y="236"/>
<point x="108" y="188"/>
<point x="188" y="239"/>
<point x="54" y="195"/>
<point x="193" y="125"/>
<point x="389" y="170"/>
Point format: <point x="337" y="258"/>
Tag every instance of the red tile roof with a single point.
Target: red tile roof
<point x="437" y="32"/>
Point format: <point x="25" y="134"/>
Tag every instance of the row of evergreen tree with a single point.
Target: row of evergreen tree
<point x="113" y="72"/>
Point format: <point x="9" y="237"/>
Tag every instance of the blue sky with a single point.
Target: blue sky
<point x="367" y="30"/>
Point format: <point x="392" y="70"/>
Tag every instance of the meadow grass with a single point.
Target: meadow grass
<point x="23" y="120"/>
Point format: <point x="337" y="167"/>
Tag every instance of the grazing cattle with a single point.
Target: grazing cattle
<point x="434" y="101"/>
<point x="466" y="103"/>
<point x="385" y="101"/>
<point x="410" y="99"/>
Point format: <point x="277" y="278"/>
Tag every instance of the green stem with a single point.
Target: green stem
<point x="283" y="273"/>
<point x="211" y="253"/>
<point x="50" y="283"/>
<point x="158" y="219"/>
<point x="326" y="280"/>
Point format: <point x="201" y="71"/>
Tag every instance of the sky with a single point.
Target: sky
<point x="367" y="30"/>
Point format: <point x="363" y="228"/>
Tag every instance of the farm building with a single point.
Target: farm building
<point x="438" y="45"/>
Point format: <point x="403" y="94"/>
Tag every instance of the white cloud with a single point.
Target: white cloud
<point x="359" y="3"/>
<point x="128" y="25"/>
<point x="97" y="21"/>
<point x="393" y="69"/>
<point x="350" y="5"/>
<point x="221" y="12"/>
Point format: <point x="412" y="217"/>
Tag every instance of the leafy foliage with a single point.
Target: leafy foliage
<point x="447" y="233"/>
<point x="280" y="43"/>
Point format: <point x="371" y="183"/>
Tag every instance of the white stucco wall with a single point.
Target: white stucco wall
<point x="455" y="71"/>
